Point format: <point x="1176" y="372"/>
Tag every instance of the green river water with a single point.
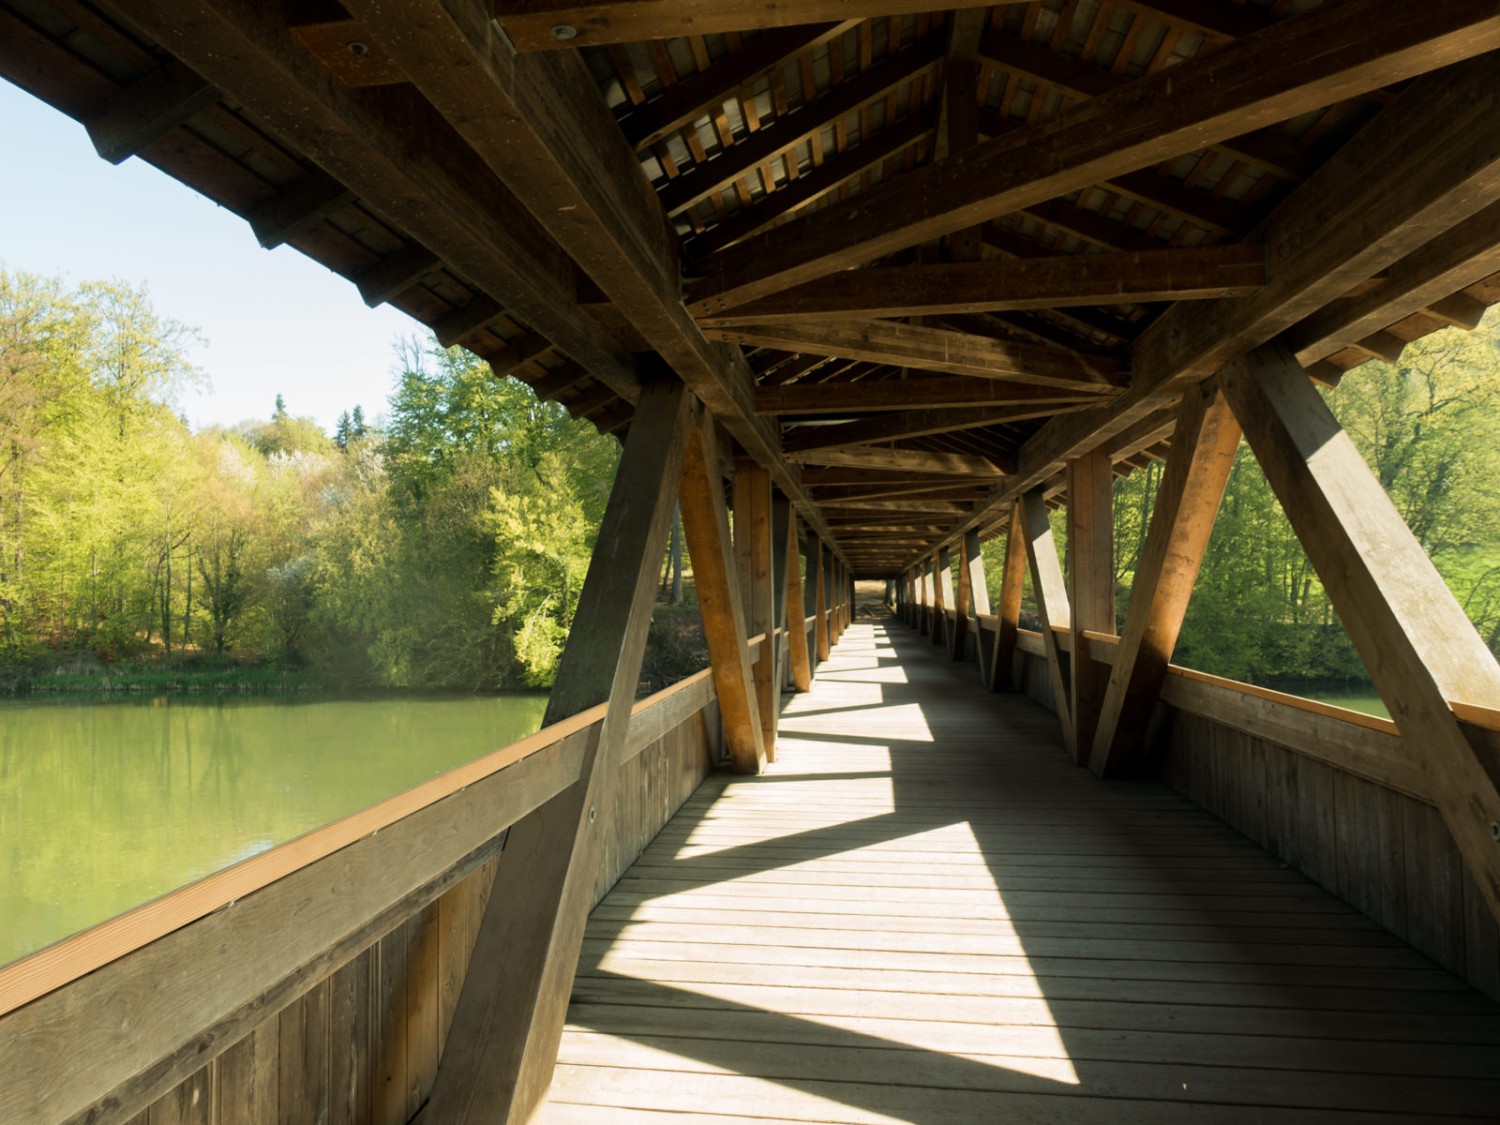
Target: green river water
<point x="104" y="806"/>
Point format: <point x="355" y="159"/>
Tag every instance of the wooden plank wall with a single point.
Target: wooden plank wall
<point x="361" y="1046"/>
<point x="1382" y="851"/>
<point x="1385" y="853"/>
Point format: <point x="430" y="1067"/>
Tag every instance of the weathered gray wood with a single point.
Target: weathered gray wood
<point x="1416" y="641"/>
<point x="194" y="993"/>
<point x="499" y="1055"/>
<point x="1203" y="448"/>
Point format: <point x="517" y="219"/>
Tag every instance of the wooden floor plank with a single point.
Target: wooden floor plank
<point x="923" y="912"/>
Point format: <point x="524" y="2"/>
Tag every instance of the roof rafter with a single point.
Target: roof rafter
<point x="540" y="128"/>
<point x="935" y="349"/>
<point x="1030" y="283"/>
<point x="1301" y="64"/>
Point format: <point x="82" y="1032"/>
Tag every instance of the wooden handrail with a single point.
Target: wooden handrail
<point x="57" y="964"/>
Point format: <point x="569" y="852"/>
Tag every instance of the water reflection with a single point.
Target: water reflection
<point x="104" y="806"/>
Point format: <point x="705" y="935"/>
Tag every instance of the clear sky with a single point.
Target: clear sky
<point x="275" y="321"/>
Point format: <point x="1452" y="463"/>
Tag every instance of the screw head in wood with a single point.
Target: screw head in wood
<point x="1495" y="830"/>
<point x="592" y="814"/>
<point x="564" y="31"/>
<point x="356" y="48"/>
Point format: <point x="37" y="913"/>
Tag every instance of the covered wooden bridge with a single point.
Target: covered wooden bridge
<point x="905" y="278"/>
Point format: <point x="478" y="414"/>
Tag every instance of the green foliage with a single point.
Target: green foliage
<point x="447" y="551"/>
<point x="1259" y="611"/>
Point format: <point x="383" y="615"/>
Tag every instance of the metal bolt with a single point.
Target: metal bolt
<point x="1495" y="830"/>
<point x="564" y="31"/>
<point x="356" y="48"/>
<point x="593" y="813"/>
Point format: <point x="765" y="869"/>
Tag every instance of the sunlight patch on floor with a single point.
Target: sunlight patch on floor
<point x="904" y="722"/>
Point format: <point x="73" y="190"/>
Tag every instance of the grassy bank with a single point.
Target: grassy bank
<point x="156" y="679"/>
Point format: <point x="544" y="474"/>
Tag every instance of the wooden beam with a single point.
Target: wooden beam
<point x="933" y="349"/>
<point x="539" y="125"/>
<point x="678" y="106"/>
<point x="1051" y="594"/>
<point x="979" y="602"/>
<point x="1301" y="64"/>
<point x="1091" y="589"/>
<point x="192" y="993"/>
<point x="480" y="311"/>
<point x="396" y="152"/>
<point x="752" y="550"/>
<point x="1415" y="640"/>
<point x="1454" y="260"/>
<point x="1060" y="281"/>
<point x="906" y="424"/>
<point x="705" y="524"/>
<point x="812" y="185"/>
<point x="782" y="517"/>
<point x="503" y="1043"/>
<point x="796" y="611"/>
<point x="1001" y="672"/>
<point x="297" y="208"/>
<point x="703" y="180"/>
<point x="1439" y="141"/>
<point x="941" y="635"/>
<point x="394" y="275"/>
<point x="1204" y="443"/>
<point x="820" y="629"/>
<point x="533" y="25"/>
<point x="147" y="110"/>
<point x="920" y="392"/>
<point x="957" y="464"/>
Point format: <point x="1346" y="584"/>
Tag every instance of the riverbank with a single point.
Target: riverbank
<point x="86" y="674"/>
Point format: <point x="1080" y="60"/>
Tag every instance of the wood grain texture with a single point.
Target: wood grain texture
<point x="923" y="912"/>
<point x="1414" y="638"/>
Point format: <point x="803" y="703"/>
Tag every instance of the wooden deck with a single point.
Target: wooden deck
<point x="924" y="913"/>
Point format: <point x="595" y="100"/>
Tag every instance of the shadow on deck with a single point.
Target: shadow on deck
<point x="925" y="913"/>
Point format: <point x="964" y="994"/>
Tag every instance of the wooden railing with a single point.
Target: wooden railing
<point x="107" y="1020"/>
<point x="1336" y="793"/>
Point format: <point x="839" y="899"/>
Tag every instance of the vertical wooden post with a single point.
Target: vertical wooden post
<point x="963" y="599"/>
<point x="820" y="627"/>
<point x="1008" y="612"/>
<point x="1091" y="532"/>
<point x="1415" y="639"/>
<point x="1204" y="443"/>
<point x="919" y="577"/>
<point x="752" y="548"/>
<point x="796" y="609"/>
<point x="942" y="595"/>
<point x="705" y="525"/>
<point x="781" y="531"/>
<point x="1051" y="603"/>
<point x="499" y="1056"/>
<point x="827" y="591"/>
<point x="979" y="601"/>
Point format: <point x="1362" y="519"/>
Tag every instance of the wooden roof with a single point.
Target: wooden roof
<point x="913" y="260"/>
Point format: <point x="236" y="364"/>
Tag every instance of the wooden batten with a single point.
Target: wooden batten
<point x="796" y="609"/>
